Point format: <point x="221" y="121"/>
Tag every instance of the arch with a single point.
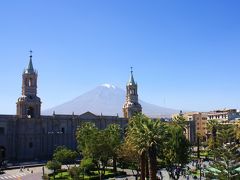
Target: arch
<point x="30" y="82"/>
<point x="30" y="112"/>
<point x="2" y="154"/>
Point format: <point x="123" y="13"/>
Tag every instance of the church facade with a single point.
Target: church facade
<point x="28" y="135"/>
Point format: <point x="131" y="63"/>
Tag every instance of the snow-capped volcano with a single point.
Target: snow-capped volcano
<point x="108" y="86"/>
<point x="108" y="100"/>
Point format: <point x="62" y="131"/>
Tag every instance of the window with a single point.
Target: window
<point x="2" y="151"/>
<point x="30" y="112"/>
<point x="63" y="130"/>
<point x="2" y="131"/>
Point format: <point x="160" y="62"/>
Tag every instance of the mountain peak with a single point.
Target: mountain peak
<point x="108" y="100"/>
<point x="110" y="86"/>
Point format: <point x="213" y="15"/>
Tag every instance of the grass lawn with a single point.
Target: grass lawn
<point x="65" y="175"/>
<point x="61" y="175"/>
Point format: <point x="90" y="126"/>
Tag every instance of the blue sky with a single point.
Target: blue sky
<point x="185" y="54"/>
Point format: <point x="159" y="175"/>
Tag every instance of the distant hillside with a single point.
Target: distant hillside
<point x="108" y="100"/>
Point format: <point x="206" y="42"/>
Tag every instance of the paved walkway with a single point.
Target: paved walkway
<point x="164" y="174"/>
<point x="14" y="174"/>
<point x="36" y="174"/>
<point x="33" y="173"/>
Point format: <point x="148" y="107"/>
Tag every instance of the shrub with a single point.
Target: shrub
<point x="54" y="165"/>
<point x="74" y="172"/>
<point x="87" y="165"/>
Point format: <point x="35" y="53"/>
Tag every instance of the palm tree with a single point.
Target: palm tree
<point x="213" y="126"/>
<point x="134" y="137"/>
<point x="146" y="134"/>
<point x="180" y="121"/>
<point x="154" y="132"/>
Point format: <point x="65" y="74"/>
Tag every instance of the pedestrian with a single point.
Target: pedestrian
<point x="161" y="175"/>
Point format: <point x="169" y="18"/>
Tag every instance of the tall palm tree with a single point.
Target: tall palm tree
<point x="180" y="121"/>
<point x="154" y="131"/>
<point x="146" y="135"/>
<point x="134" y="137"/>
<point x="212" y="126"/>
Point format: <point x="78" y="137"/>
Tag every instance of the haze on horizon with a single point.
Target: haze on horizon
<point x="185" y="54"/>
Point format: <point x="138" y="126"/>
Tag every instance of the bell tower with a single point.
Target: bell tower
<point x="29" y="104"/>
<point x="131" y="105"/>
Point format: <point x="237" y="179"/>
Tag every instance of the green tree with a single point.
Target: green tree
<point x="101" y="151"/>
<point x="177" y="148"/>
<point x="237" y="130"/>
<point x="87" y="165"/>
<point x="212" y="126"/>
<point x="227" y="153"/>
<point x="179" y="142"/>
<point x="113" y="133"/>
<point x="64" y="155"/>
<point x="128" y="156"/>
<point x="94" y="144"/>
<point x="146" y="135"/>
<point x="180" y="121"/>
<point x="133" y="138"/>
<point x="86" y="135"/>
<point x="54" y="165"/>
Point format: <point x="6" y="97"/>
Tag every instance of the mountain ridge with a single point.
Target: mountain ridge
<point x="106" y="99"/>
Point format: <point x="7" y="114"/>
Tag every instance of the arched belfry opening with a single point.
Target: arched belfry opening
<point x="30" y="82"/>
<point x="30" y="112"/>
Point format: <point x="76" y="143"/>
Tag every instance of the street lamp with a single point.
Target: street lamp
<point x="200" y="167"/>
<point x="43" y="170"/>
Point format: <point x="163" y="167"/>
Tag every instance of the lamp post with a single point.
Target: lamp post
<point x="200" y="168"/>
<point x="43" y="170"/>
